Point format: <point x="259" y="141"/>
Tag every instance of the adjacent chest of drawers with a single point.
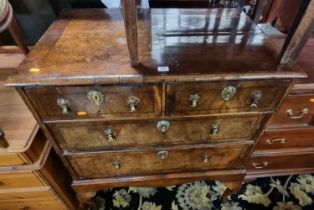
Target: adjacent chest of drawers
<point x="31" y="175"/>
<point x="115" y="125"/>
<point x="287" y="144"/>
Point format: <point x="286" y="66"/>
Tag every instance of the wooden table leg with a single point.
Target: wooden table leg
<point x="16" y="33"/>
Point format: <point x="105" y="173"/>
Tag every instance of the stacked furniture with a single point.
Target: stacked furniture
<point x="287" y="144"/>
<point x="31" y="174"/>
<point x="202" y="85"/>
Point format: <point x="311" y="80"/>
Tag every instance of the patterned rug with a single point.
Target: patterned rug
<point x="276" y="193"/>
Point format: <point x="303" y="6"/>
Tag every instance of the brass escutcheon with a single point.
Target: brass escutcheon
<point x="163" y="125"/>
<point x="194" y="98"/>
<point x="95" y="97"/>
<point x="163" y="155"/>
<point x="64" y="104"/>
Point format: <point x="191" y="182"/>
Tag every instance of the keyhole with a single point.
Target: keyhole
<point x="96" y="98"/>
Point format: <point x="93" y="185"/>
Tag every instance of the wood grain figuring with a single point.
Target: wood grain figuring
<point x="298" y="138"/>
<point x="29" y="200"/>
<point x="91" y="135"/>
<point x="178" y="96"/>
<point x="133" y="163"/>
<point x="297" y="103"/>
<point x="102" y="53"/>
<point x="16" y="180"/>
<point x="115" y="103"/>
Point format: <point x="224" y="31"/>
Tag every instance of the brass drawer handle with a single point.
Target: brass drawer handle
<point x="260" y="165"/>
<point x="291" y="114"/>
<point x="205" y="158"/>
<point x="64" y="104"/>
<point x="228" y="93"/>
<point x="116" y="164"/>
<point x="255" y="98"/>
<point x="133" y="102"/>
<point x="214" y="129"/>
<point x="163" y="126"/>
<point x="163" y="155"/>
<point x="110" y="135"/>
<point x="95" y="97"/>
<point x="194" y="98"/>
<point x="3" y="142"/>
<point x="272" y="141"/>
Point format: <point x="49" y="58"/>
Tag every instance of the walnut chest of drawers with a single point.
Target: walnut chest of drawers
<point x="181" y="115"/>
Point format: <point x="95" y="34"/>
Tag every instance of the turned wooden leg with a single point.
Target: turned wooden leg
<point x="16" y="33"/>
<point x="232" y="188"/>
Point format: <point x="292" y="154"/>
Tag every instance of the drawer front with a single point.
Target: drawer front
<point x="97" y="102"/>
<point x="11" y="160"/>
<point x="96" y="165"/>
<point x="287" y="138"/>
<point x="295" y="161"/>
<point x="101" y="135"/>
<point x="296" y="110"/>
<point x="29" y="200"/>
<point x="19" y="180"/>
<point x="218" y="97"/>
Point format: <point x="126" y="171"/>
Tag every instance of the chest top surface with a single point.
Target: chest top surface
<point x="89" y="46"/>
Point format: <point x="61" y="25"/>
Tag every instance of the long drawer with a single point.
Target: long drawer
<point x="162" y="160"/>
<point x="72" y="102"/>
<point x="296" y="110"/>
<point x="223" y="97"/>
<point x="265" y="162"/>
<point x="110" y="135"/>
<point x="39" y="200"/>
<point x="302" y="137"/>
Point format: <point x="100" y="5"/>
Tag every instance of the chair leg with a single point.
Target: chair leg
<point x="16" y="33"/>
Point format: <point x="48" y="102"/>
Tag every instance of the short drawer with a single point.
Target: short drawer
<point x="296" y="110"/>
<point x="31" y="200"/>
<point x="283" y="161"/>
<point x="159" y="160"/>
<point x="224" y="97"/>
<point x="70" y="102"/>
<point x="105" y="135"/>
<point x="13" y="180"/>
<point x="286" y="138"/>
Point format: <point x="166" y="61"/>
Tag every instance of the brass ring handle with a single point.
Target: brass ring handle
<point x="116" y="164"/>
<point x="163" y="155"/>
<point x="64" y="104"/>
<point x="291" y="114"/>
<point x="110" y="135"/>
<point x="133" y="102"/>
<point x="3" y="142"/>
<point x="95" y="97"/>
<point x="205" y="158"/>
<point x="194" y="98"/>
<point x="214" y="129"/>
<point x="256" y="98"/>
<point x="272" y="141"/>
<point x="163" y="126"/>
<point x="260" y="165"/>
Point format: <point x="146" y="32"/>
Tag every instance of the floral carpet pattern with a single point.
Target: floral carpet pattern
<point x="275" y="193"/>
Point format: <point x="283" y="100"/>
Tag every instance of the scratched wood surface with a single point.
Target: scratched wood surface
<point x="89" y="46"/>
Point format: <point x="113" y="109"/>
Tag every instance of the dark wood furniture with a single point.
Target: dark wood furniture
<point x="287" y="144"/>
<point x="201" y="87"/>
<point x="31" y="174"/>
